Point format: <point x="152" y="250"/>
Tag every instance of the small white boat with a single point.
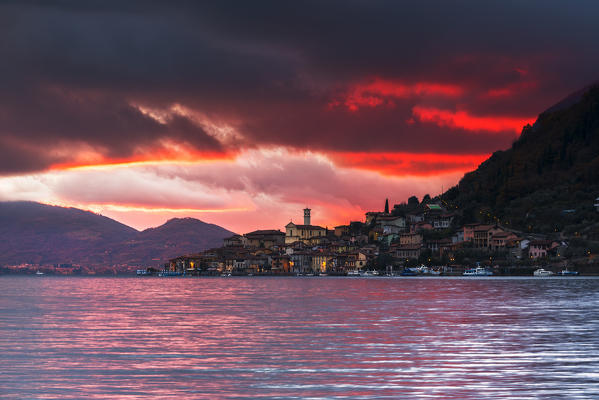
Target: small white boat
<point x="423" y="270"/>
<point x="166" y="273"/>
<point x="478" y="271"/>
<point x="39" y="272"/>
<point x="542" y="272"/>
<point x="353" y="273"/>
<point x="370" y="273"/>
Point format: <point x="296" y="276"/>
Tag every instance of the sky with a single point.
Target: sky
<point x="242" y="113"/>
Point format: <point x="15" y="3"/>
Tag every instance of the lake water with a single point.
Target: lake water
<point x="317" y="338"/>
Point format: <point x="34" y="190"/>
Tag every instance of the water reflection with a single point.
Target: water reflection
<point x="134" y="338"/>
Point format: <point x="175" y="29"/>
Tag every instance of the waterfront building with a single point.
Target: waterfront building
<point x="233" y="241"/>
<point x="303" y="233"/>
<point x="440" y="246"/>
<point x="469" y="231"/>
<point x="391" y="223"/>
<point x="483" y="235"/>
<point x="342" y="230"/>
<point x="264" y="239"/>
<point x="410" y="238"/>
<point x="370" y="216"/>
<point x="458" y="236"/>
<point x="502" y="240"/>
<point x="540" y="248"/>
<point x="301" y="262"/>
<point x="406" y="251"/>
<point x="414" y="217"/>
<point x="442" y="221"/>
<point x="280" y="265"/>
<point x="323" y="263"/>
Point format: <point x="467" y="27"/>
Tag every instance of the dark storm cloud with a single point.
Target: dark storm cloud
<point x="74" y="72"/>
<point x="375" y="130"/>
<point x="51" y="117"/>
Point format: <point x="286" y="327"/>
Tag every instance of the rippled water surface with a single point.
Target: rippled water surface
<point x="358" y="338"/>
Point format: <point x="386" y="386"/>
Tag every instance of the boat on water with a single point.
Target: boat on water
<point x="542" y="272"/>
<point x="39" y="272"/>
<point x="169" y="273"/>
<point x="567" y="272"/>
<point x="408" y="272"/>
<point x="353" y="273"/>
<point x="369" y="273"/>
<point x="478" y="271"/>
<point x="422" y="270"/>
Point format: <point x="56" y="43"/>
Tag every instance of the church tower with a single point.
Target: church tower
<point x="306" y="216"/>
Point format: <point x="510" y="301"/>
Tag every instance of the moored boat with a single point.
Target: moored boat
<point x="567" y="272"/>
<point x="542" y="272"/>
<point x="478" y="271"/>
<point x="408" y="272"/>
<point x="369" y="273"/>
<point x="169" y="273"/>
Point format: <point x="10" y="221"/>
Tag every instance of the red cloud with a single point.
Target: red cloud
<point x="380" y="92"/>
<point x="409" y="164"/>
<point x="463" y="120"/>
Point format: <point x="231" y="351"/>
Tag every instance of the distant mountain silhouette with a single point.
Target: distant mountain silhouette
<point x="41" y="234"/>
<point x="548" y="180"/>
<point x="176" y="237"/>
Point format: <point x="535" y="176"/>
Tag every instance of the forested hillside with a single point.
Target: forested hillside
<point x="548" y="180"/>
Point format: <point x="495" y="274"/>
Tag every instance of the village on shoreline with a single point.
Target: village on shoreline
<point x="422" y="238"/>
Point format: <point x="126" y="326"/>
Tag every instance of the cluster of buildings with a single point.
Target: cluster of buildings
<point x="390" y="238"/>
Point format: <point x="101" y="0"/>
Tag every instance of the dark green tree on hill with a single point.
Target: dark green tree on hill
<point x="552" y="167"/>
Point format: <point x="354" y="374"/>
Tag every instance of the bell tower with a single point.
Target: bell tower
<point x="306" y="216"/>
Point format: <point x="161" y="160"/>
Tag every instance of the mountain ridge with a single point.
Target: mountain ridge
<point x="37" y="233"/>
